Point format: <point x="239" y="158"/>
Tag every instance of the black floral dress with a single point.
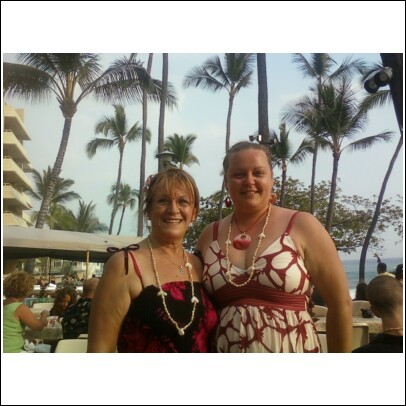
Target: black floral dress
<point x="147" y="328"/>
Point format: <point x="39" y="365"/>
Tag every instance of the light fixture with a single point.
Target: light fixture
<point x="166" y="157"/>
<point x="381" y="78"/>
<point x="260" y="139"/>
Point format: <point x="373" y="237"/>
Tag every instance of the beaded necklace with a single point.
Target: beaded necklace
<point x="252" y="268"/>
<point x="162" y="293"/>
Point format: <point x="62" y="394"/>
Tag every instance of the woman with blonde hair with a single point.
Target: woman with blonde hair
<point x="16" y="315"/>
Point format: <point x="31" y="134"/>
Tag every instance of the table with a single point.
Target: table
<point x="48" y="333"/>
<point x="374" y="324"/>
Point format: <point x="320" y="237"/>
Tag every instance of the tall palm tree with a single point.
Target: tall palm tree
<point x="61" y="193"/>
<point x="117" y="128"/>
<point x="263" y="126"/>
<point x="84" y="220"/>
<point x="339" y="118"/>
<point x="165" y="64"/>
<point x="140" y="222"/>
<point x="319" y="67"/>
<point x="234" y="76"/>
<point x="182" y="148"/>
<point x="38" y="76"/>
<point x="126" y="198"/>
<point x="394" y="61"/>
<point x="283" y="154"/>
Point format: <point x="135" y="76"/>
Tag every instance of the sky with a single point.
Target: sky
<point x="191" y="32"/>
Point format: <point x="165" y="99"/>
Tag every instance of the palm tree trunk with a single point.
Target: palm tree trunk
<point x="140" y="223"/>
<point x="330" y="210"/>
<point x="377" y="212"/>
<point x="162" y="108"/>
<point x="121" y="220"/>
<point x="228" y="131"/>
<point x="113" y="212"/>
<point x="313" y="182"/>
<point x="263" y="126"/>
<point x="56" y="170"/>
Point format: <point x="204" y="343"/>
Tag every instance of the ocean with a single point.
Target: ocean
<point x="352" y="270"/>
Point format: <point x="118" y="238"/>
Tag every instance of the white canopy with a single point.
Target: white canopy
<point x="22" y="242"/>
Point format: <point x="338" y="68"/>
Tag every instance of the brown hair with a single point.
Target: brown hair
<point x="18" y="284"/>
<point x="242" y="146"/>
<point x="168" y="180"/>
<point x="385" y="294"/>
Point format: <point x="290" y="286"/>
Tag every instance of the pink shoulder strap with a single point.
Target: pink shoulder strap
<point x="215" y="230"/>
<point x="289" y="227"/>
<point x="136" y="267"/>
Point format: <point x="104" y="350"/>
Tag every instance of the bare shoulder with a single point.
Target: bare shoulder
<point x="205" y="238"/>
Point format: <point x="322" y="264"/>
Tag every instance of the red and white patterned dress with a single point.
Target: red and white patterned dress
<point x="269" y="314"/>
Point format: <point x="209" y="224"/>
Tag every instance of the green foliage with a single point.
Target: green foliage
<point x="351" y="220"/>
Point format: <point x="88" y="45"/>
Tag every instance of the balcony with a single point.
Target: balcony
<point x="13" y="147"/>
<point x="13" y="174"/>
<point x="11" y="219"/>
<point x="15" y="198"/>
<point x="13" y="121"/>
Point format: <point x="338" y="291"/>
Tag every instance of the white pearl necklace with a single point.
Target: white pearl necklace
<point x="162" y="293"/>
<point x="252" y="268"/>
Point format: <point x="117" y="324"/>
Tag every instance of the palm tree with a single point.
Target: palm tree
<point x="283" y="154"/>
<point x="161" y="122"/>
<point x="234" y="76"/>
<point x="394" y="61"/>
<point x="182" y="148"/>
<point x="339" y="118"/>
<point x="140" y="223"/>
<point x="319" y="68"/>
<point x="38" y="76"/>
<point x="61" y="193"/>
<point x="116" y="127"/>
<point x="126" y="198"/>
<point x="263" y="126"/>
<point x="84" y="221"/>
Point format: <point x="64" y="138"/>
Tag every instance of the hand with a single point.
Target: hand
<point x="44" y="314"/>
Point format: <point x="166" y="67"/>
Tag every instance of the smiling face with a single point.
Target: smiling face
<point x="171" y="203"/>
<point x="249" y="179"/>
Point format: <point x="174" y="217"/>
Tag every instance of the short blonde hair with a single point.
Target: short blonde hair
<point x="18" y="284"/>
<point x="169" y="180"/>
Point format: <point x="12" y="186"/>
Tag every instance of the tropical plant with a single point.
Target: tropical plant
<point x="234" y="76"/>
<point x="126" y="198"/>
<point x="181" y="147"/>
<point x="332" y="121"/>
<point x="61" y="194"/>
<point x="84" y="220"/>
<point x="395" y="62"/>
<point x="165" y="68"/>
<point x="263" y="126"/>
<point x="283" y="154"/>
<point x="117" y="128"/>
<point x="140" y="222"/>
<point x="38" y="76"/>
<point x="319" y="67"/>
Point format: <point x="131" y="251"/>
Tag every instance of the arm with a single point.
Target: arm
<point x="25" y="315"/>
<point x="328" y="275"/>
<point x="110" y="304"/>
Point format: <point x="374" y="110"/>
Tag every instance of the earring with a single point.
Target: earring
<point x="274" y="198"/>
<point x="228" y="202"/>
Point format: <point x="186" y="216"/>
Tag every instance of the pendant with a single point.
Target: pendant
<point x="181" y="270"/>
<point x="241" y="241"/>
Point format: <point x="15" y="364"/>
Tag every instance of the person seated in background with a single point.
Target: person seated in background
<point x="361" y="291"/>
<point x="16" y="315"/>
<point x="399" y="273"/>
<point x="64" y="298"/>
<point x="381" y="269"/>
<point x="386" y="298"/>
<point x="76" y="318"/>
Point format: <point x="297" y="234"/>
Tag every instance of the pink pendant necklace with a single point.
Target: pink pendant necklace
<point x="243" y="240"/>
